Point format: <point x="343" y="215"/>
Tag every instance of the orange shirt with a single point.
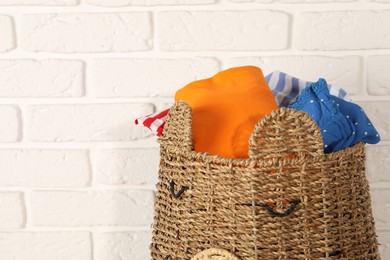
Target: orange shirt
<point x="226" y="108"/>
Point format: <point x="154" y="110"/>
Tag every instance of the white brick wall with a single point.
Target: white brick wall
<point x="85" y="123"/>
<point x="12" y="210"/>
<point x="346" y="71"/>
<point x="77" y="177"/>
<point x="378" y="77"/>
<point x="46" y="245"/>
<point x="132" y="77"/>
<point x="9" y="124"/>
<point x="338" y="30"/>
<point x="223" y="30"/>
<point x="147" y="2"/>
<point x="7" y="32"/>
<point x="41" y="78"/>
<point x="123" y="245"/>
<point x="38" y="2"/>
<point x="86" y="32"/>
<point x="44" y="168"/>
<point x="91" y="208"/>
<point x="127" y="166"/>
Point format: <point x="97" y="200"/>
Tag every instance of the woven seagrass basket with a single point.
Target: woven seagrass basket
<point x="288" y="200"/>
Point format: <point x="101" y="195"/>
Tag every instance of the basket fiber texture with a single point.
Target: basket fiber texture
<point x="214" y="254"/>
<point x="288" y="200"/>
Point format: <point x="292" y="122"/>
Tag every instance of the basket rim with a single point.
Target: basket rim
<point x="206" y="156"/>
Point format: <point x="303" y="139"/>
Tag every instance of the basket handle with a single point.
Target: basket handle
<point x="177" y="131"/>
<point x="285" y="133"/>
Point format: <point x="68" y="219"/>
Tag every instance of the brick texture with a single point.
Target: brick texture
<point x="92" y="208"/>
<point x="337" y="30"/>
<point x="131" y="78"/>
<point x="123" y="245"/>
<point x="110" y="32"/>
<point x="12" y="211"/>
<point x="95" y="122"/>
<point x="381" y="206"/>
<point x="384" y="240"/>
<point x="77" y="176"/>
<point x="379" y="112"/>
<point x="291" y="1"/>
<point x="345" y="72"/>
<point x="39" y="2"/>
<point x="378" y="157"/>
<point x="41" y="78"/>
<point x="230" y="30"/>
<point x="123" y="166"/>
<point x="46" y="245"/>
<point x="148" y="2"/>
<point x="44" y="168"/>
<point x="7" y="32"/>
<point x="378" y="79"/>
<point x="9" y="124"/>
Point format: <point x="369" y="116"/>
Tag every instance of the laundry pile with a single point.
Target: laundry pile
<point x="227" y="106"/>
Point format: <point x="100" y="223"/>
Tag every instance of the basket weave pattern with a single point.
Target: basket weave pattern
<point x="214" y="254"/>
<point x="288" y="200"/>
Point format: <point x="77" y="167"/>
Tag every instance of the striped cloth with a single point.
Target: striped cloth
<point x="286" y="88"/>
<point x="155" y="122"/>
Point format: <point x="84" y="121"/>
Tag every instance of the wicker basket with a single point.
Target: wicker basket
<point x="288" y="200"/>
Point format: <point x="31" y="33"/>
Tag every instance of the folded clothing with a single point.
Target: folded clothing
<point x="342" y="123"/>
<point x="286" y="88"/>
<point x="155" y="122"/>
<point x="226" y="108"/>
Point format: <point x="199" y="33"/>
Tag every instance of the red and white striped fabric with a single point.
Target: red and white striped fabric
<point x="154" y="122"/>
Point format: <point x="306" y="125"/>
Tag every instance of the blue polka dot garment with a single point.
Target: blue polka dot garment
<point x="342" y="123"/>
